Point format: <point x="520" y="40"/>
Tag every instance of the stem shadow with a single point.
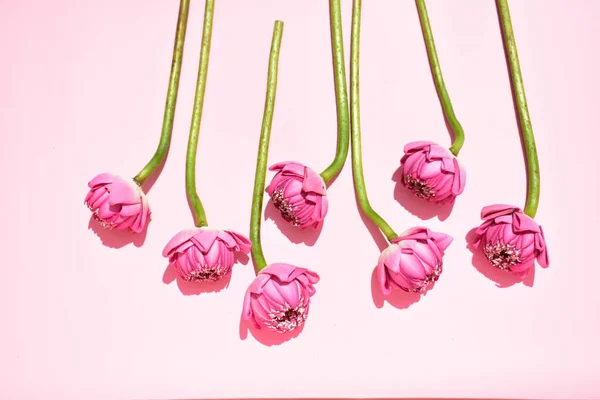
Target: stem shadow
<point x="420" y="208"/>
<point x="308" y="236"/>
<point x="117" y="239"/>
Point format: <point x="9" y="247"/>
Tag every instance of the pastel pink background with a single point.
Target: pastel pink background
<point x="82" y="91"/>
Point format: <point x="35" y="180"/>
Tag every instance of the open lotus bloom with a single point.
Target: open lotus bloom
<point x="279" y="297"/>
<point x="511" y="240"/>
<point x="203" y="254"/>
<point x="299" y="193"/>
<point x="118" y="203"/>
<point x="432" y="172"/>
<point x="413" y="262"/>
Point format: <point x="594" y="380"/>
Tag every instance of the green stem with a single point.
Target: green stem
<point x="533" y="168"/>
<point x="357" y="169"/>
<point x="436" y="69"/>
<point x="263" y="150"/>
<point x="341" y="93"/>
<point x="190" y="161"/>
<point x="169" y="114"/>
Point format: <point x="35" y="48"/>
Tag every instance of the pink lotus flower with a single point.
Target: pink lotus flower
<point x="299" y="193"/>
<point x="432" y="172"/>
<point x="413" y="262"/>
<point x="118" y="203"/>
<point x="279" y="297"/>
<point x="203" y="254"/>
<point x="510" y="239"/>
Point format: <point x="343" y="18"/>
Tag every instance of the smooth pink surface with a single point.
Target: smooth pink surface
<point x="85" y="320"/>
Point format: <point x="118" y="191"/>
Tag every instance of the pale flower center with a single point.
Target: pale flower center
<point x="288" y="319"/>
<point x="102" y="222"/>
<point x="207" y="274"/>
<point x="502" y="255"/>
<point x="286" y="210"/>
<point x="419" y="188"/>
<point x="429" y="279"/>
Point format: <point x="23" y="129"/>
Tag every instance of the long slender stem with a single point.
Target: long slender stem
<point x="440" y="86"/>
<point x="341" y="93"/>
<point x="357" y="168"/>
<point x="190" y="161"/>
<point x="263" y="150"/>
<point x="533" y="168"/>
<point x="169" y="114"/>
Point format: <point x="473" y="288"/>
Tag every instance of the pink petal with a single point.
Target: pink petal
<point x="441" y="240"/>
<point x="205" y="238"/>
<point x="242" y="242"/>
<point x="178" y="239"/>
<point x="313" y="182"/>
<point x="382" y="278"/>
<point x="102" y="179"/>
<point x="122" y="192"/>
<point x="496" y="210"/>
<point x="412" y="146"/>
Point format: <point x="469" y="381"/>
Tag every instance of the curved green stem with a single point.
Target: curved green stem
<point x="169" y="114"/>
<point x="357" y="169"/>
<point x="533" y="168"/>
<point x="440" y="86"/>
<point x="341" y="93"/>
<point x="190" y="161"/>
<point x="263" y="150"/>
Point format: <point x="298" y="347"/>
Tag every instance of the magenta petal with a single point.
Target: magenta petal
<point x="284" y="272"/>
<point x="441" y="240"/>
<point x="293" y="169"/>
<point x="280" y="165"/>
<point x="205" y="238"/>
<point x="243" y="242"/>
<point x="438" y="152"/>
<point x="101" y="179"/>
<point x="178" y="239"/>
<point x="122" y="192"/>
<point x="415" y="233"/>
<point x="382" y="278"/>
<point x="290" y="294"/>
<point x="543" y="258"/>
<point x="411" y="267"/>
<point x="313" y="182"/>
<point x="246" y="309"/>
<point x="412" y="146"/>
<point x="524" y="223"/>
<point x="496" y="210"/>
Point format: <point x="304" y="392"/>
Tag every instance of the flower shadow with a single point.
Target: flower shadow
<point x="419" y="207"/>
<point x="194" y="288"/>
<point x="308" y="236"/>
<point x="398" y="298"/>
<point x="265" y="336"/>
<point x="503" y="279"/>
<point x="117" y="239"/>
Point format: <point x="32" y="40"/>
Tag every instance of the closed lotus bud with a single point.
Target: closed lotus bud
<point x="279" y="297"/>
<point x="118" y="203"/>
<point x="413" y="262"/>
<point x="432" y="172"/>
<point x="511" y="240"/>
<point x="203" y="254"/>
<point x="299" y="193"/>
